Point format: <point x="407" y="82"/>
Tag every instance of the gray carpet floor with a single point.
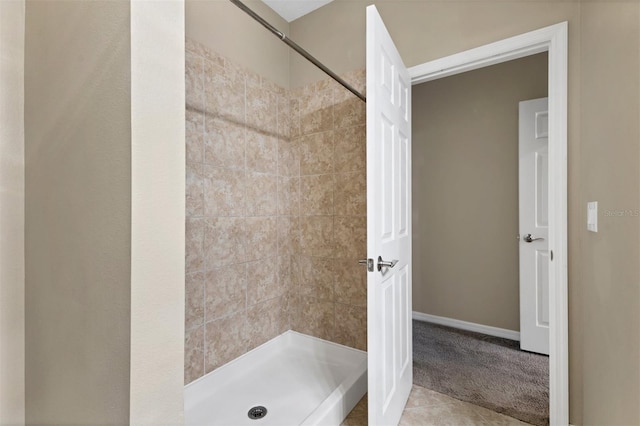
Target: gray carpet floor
<point x="487" y="371"/>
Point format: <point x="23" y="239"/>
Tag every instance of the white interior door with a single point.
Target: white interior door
<point x="534" y="225"/>
<point x="388" y="225"/>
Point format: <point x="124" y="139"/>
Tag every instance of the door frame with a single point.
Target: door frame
<point x="554" y="40"/>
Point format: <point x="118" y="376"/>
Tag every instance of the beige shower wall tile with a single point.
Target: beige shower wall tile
<point x="328" y="84"/>
<point x="262" y="281"/>
<point x="231" y="69"/>
<point x="351" y="149"/>
<point x="262" y="237"/>
<point x="288" y="235"/>
<point x="262" y="110"/>
<point x="225" y="340"/>
<point x="351" y="326"/>
<point x="286" y="305"/>
<point x="214" y="57"/>
<point x="224" y="191"/>
<point x="316" y="195"/>
<point x="199" y="49"/>
<point x="194" y="128"/>
<point x="262" y="152"/>
<point x="284" y="320"/>
<point x="226" y="291"/>
<point x="267" y="321"/>
<point x="194" y="242"/>
<point x="194" y="300"/>
<point x="294" y="114"/>
<point x="289" y="157"/>
<point x="313" y="317"/>
<point x="350" y="282"/>
<point x="237" y="74"/>
<point x="296" y="93"/>
<point x="193" y="47"/>
<point x="316" y="278"/>
<point x="193" y="354"/>
<point x="194" y="82"/>
<point x="350" y="196"/>
<point x="225" y="142"/>
<point x="194" y="190"/>
<point x="288" y="196"/>
<point x="284" y="116"/>
<point x="253" y="80"/>
<point x="295" y="311"/>
<point x="296" y="273"/>
<point x="274" y="88"/>
<point x="317" y="236"/>
<point x="286" y="279"/>
<point x="318" y="86"/>
<point x="272" y="272"/>
<point x="224" y="241"/>
<point x="360" y="80"/>
<point x="349" y="110"/>
<point x="225" y="92"/>
<point x="350" y="237"/>
<point x="261" y="194"/>
<point x="357" y="79"/>
<point x="317" y="153"/>
<point x="316" y="111"/>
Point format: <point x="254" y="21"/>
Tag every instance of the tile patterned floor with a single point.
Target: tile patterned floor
<point x="429" y="408"/>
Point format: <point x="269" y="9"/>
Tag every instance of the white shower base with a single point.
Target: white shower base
<point x="301" y="380"/>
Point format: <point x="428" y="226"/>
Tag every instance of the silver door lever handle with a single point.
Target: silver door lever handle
<point x="527" y="238"/>
<point x="384" y="263"/>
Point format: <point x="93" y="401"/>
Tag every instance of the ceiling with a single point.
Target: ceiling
<point x="291" y="10"/>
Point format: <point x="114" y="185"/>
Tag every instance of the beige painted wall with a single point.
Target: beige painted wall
<point x="609" y="158"/>
<point x="465" y="191"/>
<point x="78" y="211"/>
<point x="603" y="268"/>
<point x="12" y="212"/>
<point x="422" y="30"/>
<point x="227" y="30"/>
<point x="157" y="212"/>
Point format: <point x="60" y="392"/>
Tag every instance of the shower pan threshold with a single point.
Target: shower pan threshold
<point x="299" y="379"/>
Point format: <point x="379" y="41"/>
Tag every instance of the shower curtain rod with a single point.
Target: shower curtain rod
<point x="297" y="48"/>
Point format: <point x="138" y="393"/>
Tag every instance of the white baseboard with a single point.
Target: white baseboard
<point x="469" y="326"/>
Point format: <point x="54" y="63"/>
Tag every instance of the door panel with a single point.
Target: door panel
<point x="534" y="220"/>
<point x="403" y="202"/>
<point x="387" y="176"/>
<point x="542" y="185"/>
<point x="405" y="305"/>
<point x="388" y="225"/>
<point x="542" y="288"/>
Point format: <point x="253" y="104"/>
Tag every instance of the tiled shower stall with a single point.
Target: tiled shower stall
<point x="276" y="211"/>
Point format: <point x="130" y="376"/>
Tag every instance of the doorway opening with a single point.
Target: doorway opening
<point x="466" y="201"/>
<point x="552" y="40"/>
